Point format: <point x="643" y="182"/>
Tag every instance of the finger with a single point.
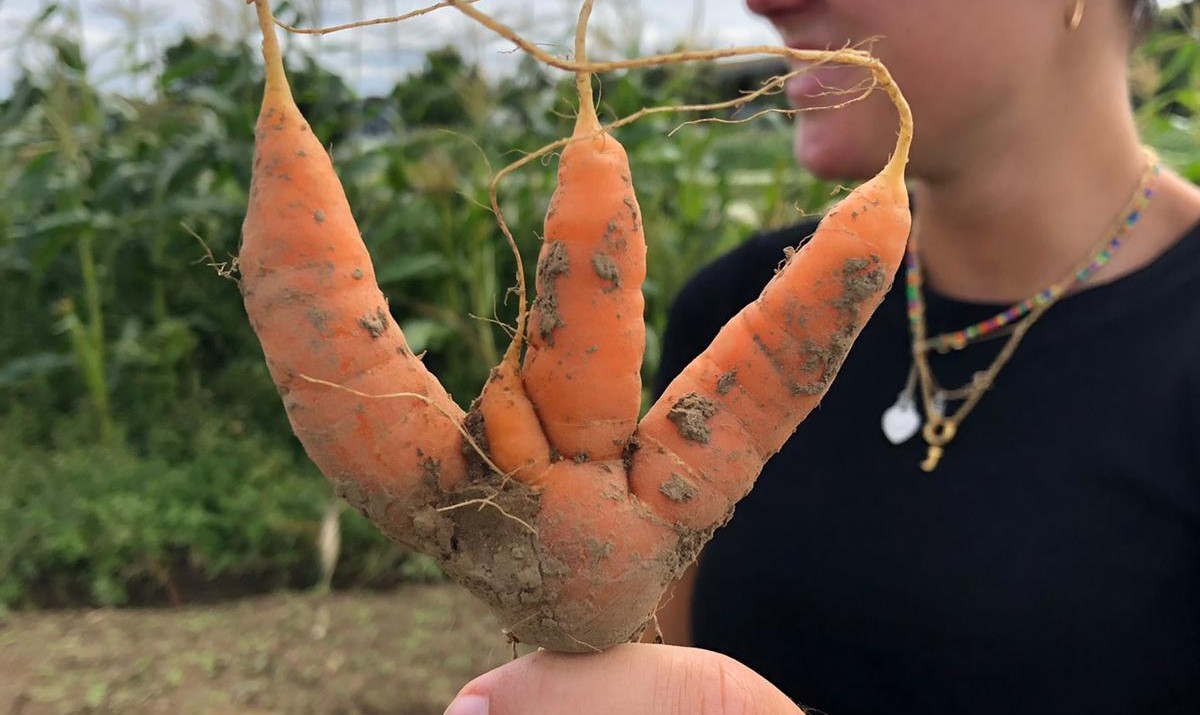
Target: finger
<point x="634" y="679"/>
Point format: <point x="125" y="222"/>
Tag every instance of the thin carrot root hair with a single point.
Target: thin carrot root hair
<point x="550" y="498"/>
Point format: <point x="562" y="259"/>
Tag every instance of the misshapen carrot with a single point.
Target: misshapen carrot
<point x="547" y="500"/>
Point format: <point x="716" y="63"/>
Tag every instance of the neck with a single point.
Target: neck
<point x="1022" y="211"/>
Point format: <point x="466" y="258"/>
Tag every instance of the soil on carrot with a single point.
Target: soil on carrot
<point x="691" y="414"/>
<point x="555" y="264"/>
<point x="404" y="652"/>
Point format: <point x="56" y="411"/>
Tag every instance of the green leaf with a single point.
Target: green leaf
<point x="68" y="219"/>
<point x="209" y="97"/>
<point x="11" y="260"/>
<point x="427" y="265"/>
<point x="44" y="15"/>
<point x="22" y="368"/>
<point x="424" y="334"/>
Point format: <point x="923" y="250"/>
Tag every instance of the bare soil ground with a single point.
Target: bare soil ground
<point x="403" y="652"/>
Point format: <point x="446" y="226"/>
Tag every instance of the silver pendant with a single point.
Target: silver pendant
<point x="901" y="421"/>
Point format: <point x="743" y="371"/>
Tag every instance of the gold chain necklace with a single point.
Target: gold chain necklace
<point x="940" y="427"/>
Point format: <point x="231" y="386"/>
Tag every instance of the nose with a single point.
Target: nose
<point x="769" y="8"/>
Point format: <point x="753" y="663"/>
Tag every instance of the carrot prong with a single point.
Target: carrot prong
<point x="309" y="289"/>
<point x="586" y="332"/>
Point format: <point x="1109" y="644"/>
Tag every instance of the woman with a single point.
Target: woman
<point x="996" y="508"/>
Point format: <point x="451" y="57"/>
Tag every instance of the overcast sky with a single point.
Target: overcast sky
<point x="112" y="27"/>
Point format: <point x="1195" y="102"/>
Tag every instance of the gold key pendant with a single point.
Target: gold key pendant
<point x="937" y="434"/>
<point x="932" y="456"/>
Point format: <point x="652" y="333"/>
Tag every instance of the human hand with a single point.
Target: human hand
<point x="632" y="679"/>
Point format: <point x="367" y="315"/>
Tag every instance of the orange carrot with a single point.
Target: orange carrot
<point x="706" y="439"/>
<point x="309" y="289"/>
<point x="547" y="500"/>
<point x="506" y="421"/>
<point x="583" y="366"/>
<point x="587" y="333"/>
<point x="578" y="393"/>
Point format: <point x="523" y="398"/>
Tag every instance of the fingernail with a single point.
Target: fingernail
<point x="468" y="705"/>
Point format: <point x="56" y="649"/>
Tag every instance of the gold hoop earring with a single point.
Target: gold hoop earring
<point x="1075" y="16"/>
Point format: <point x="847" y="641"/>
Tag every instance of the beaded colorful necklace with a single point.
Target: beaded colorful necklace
<point x="959" y="339"/>
<point x="901" y="421"/>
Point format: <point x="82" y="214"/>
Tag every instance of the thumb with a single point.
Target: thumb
<point x="632" y="679"/>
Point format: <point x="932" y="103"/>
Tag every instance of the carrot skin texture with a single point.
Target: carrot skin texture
<point x="582" y="369"/>
<point x="597" y="564"/>
<point x="735" y="405"/>
<point x="310" y="293"/>
<point x="514" y="438"/>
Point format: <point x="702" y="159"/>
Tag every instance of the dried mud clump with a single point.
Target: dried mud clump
<point x="690" y="414"/>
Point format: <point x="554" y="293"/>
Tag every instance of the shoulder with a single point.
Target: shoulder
<point x="1147" y="333"/>
<point x="1183" y="324"/>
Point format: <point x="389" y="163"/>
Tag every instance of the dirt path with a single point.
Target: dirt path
<point x="404" y="652"/>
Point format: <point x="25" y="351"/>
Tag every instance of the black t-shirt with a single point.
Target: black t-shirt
<point x="1051" y="563"/>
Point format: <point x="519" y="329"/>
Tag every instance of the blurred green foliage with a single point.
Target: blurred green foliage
<point x="143" y="449"/>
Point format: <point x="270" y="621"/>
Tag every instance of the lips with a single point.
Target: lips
<point x="774" y="8"/>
